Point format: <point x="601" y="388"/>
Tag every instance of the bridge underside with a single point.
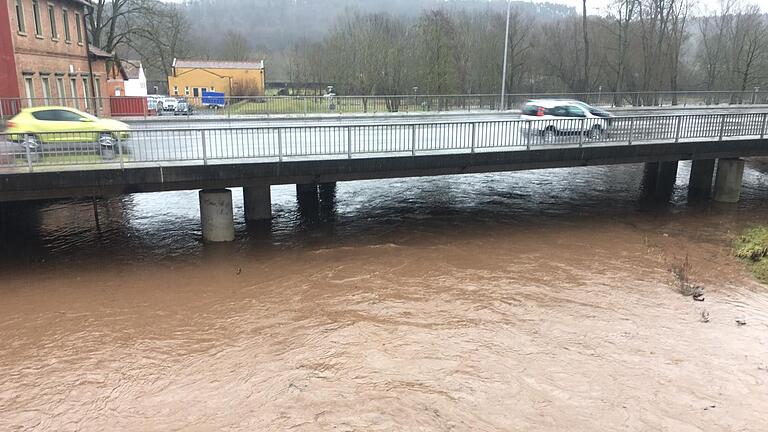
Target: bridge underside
<point x="169" y="177"/>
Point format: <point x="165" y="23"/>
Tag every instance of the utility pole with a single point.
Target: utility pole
<point x="504" y="70"/>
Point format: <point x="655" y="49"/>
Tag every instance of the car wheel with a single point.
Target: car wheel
<point x="549" y="134"/>
<point x="596" y="132"/>
<point x="106" y="139"/>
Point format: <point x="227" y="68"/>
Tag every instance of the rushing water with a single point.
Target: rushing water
<point x="537" y="300"/>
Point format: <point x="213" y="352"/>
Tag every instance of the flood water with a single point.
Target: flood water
<point x="538" y="300"/>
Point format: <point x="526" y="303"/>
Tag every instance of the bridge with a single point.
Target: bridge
<point x="316" y="155"/>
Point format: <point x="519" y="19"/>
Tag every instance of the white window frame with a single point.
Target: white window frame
<point x="73" y="90"/>
<point x="61" y="90"/>
<point x="29" y="87"/>
<point x="45" y="82"/>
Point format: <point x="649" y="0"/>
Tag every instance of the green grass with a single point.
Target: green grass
<point x="317" y="104"/>
<point x="752" y="247"/>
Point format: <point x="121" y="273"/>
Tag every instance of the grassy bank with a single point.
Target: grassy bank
<point x="752" y="247"/>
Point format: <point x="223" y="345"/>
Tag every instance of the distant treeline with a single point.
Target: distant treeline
<point x="451" y="47"/>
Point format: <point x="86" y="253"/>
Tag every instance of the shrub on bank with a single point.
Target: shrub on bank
<point x="752" y="246"/>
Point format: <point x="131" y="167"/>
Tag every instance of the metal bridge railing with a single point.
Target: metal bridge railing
<point x="250" y="106"/>
<point x="78" y="150"/>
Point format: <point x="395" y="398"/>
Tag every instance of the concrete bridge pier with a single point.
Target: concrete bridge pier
<point x="700" y="180"/>
<point x="728" y="180"/>
<point x="216" y="215"/>
<point x="307" y="195"/>
<point x="659" y="180"/>
<point x="257" y="203"/>
<point x="327" y="194"/>
<point x="650" y="178"/>
<point x="667" y="179"/>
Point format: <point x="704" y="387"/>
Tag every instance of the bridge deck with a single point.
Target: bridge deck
<point x="156" y="160"/>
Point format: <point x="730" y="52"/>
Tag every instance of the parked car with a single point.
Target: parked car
<point x="153" y="103"/>
<point x="55" y="124"/>
<point x="554" y="117"/>
<point x="183" y="108"/>
<point x="169" y="104"/>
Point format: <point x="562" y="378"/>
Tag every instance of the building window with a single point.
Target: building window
<point x="73" y="90"/>
<point x="60" y="90"/>
<point x="52" y="17"/>
<point x="20" y="17"/>
<point x="195" y="92"/>
<point x="186" y="91"/>
<point x="85" y="92"/>
<point x="78" y="28"/>
<point x="46" y="90"/>
<point x="65" y="18"/>
<point x="97" y="93"/>
<point x="36" y="12"/>
<point x="29" y="86"/>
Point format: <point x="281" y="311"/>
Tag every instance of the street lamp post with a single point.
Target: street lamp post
<point x="504" y="70"/>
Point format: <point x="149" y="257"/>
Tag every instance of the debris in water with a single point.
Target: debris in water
<point x="698" y="293"/>
<point x="741" y="321"/>
<point x="704" y="316"/>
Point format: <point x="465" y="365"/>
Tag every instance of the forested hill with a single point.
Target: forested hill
<point x="276" y="24"/>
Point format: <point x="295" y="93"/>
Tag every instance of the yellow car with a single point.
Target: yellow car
<point x="58" y="124"/>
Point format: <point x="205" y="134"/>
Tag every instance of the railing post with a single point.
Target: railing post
<point x="120" y="149"/>
<point x="631" y="129"/>
<point x="474" y="137"/>
<point x="349" y="142"/>
<point x="280" y="144"/>
<point x="678" y="121"/>
<point x="205" y="150"/>
<point x="29" y="154"/>
<point x="413" y="140"/>
<point x="581" y="132"/>
<point x="528" y="135"/>
<point x="762" y="126"/>
<point x="722" y="126"/>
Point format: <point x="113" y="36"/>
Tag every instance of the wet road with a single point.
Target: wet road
<point x="537" y="300"/>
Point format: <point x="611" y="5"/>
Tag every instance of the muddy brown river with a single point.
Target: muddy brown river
<point x="538" y="300"/>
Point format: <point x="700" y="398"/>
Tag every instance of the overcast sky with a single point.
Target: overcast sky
<point x="597" y="6"/>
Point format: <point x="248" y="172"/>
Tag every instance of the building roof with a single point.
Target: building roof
<point x="212" y="64"/>
<point x="131" y="68"/>
<point x="98" y="52"/>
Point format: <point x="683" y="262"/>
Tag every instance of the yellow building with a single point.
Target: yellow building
<point x="191" y="77"/>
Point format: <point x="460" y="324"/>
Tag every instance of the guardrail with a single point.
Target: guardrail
<point x="269" y="144"/>
<point x="132" y="106"/>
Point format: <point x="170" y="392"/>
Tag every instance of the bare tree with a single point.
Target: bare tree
<point x="109" y="23"/>
<point x="235" y="47"/>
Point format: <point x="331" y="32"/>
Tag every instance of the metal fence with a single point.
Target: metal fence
<point x="78" y="150"/>
<point x="234" y="107"/>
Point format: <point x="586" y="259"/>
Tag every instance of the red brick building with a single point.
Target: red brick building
<point x="45" y="58"/>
